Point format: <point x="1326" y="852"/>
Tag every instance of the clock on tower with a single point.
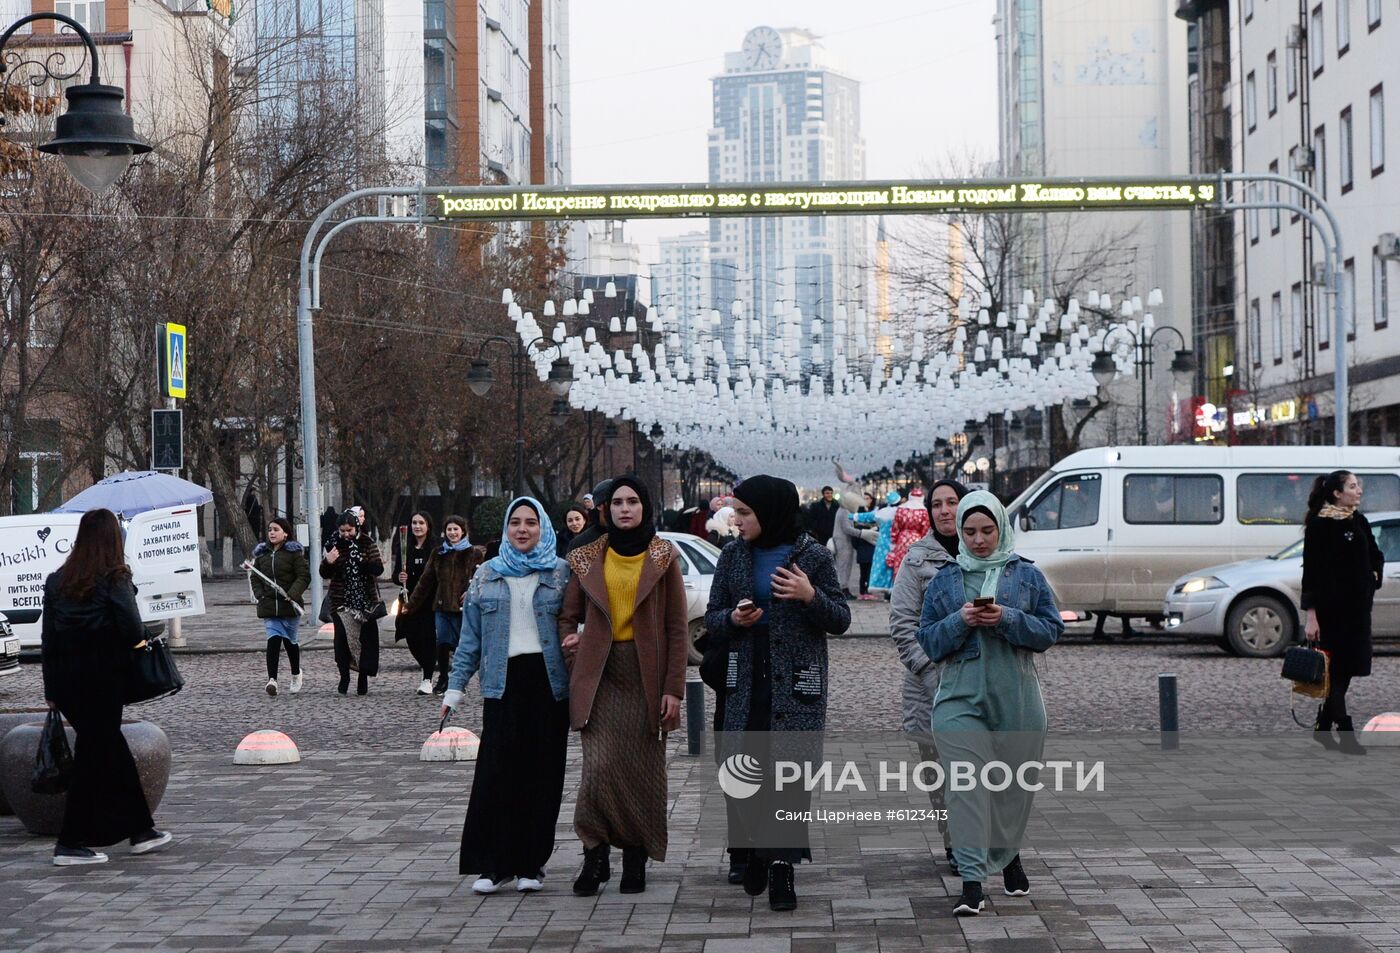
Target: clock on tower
<point x="763" y="47"/>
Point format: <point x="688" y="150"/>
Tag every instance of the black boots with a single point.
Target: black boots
<point x="1322" y="730"/>
<point x="634" y="870"/>
<point x="444" y="667"/>
<point x="972" y="902"/>
<point x="782" y="894"/>
<point x="738" y="864"/>
<point x="344" y="685"/>
<point x="1347" y="734"/>
<point x="595" y="872"/>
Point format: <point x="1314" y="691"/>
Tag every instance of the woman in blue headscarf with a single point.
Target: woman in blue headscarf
<point x="985" y="617"/>
<point x="510" y="635"/>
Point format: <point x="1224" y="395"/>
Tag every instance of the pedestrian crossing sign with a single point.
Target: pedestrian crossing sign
<point x="172" y="360"/>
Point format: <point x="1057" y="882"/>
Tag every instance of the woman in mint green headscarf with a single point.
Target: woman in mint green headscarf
<point x="988" y="706"/>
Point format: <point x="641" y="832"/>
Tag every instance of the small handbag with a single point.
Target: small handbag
<point x="1307" y="667"/>
<point x="152" y="673"/>
<point x="324" y="615"/>
<point x="379" y="610"/>
<point x="53" y="763"/>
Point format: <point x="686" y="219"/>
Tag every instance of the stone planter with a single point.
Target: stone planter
<point x="43" y="813"/>
<point x="9" y="718"/>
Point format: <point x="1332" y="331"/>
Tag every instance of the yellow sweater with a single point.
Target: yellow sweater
<point x="621" y="574"/>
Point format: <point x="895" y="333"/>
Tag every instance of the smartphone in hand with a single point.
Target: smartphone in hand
<point x="982" y="601"/>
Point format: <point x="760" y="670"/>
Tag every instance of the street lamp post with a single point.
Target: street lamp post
<point x="1183" y="365"/>
<point x="94" y="138"/>
<point x="480" y="379"/>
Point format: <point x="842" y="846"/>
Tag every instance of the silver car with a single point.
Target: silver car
<point x="1252" y="607"/>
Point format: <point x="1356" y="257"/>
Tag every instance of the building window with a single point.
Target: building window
<point x="1343" y="26"/>
<point x="1380" y="290"/>
<point x="1373" y="14"/>
<point x="1271" y="82"/>
<point x="1320" y="160"/>
<point x="92" y="14"/>
<point x="1275" y="191"/>
<point x="1316" y="45"/>
<point x="1290" y="72"/>
<point x="1349" y="296"/>
<point x="1295" y="317"/>
<point x="1377" y="131"/>
<point x="1344" y="149"/>
<point x="1276" y="325"/>
<point x="1251" y="103"/>
<point x="1256" y="332"/>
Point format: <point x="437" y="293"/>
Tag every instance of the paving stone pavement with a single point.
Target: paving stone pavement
<point x="1249" y="838"/>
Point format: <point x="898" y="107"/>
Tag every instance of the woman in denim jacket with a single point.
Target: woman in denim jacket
<point x="510" y="635"/>
<point x="988" y="706"/>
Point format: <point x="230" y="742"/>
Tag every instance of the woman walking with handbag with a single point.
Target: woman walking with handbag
<point x="410" y="562"/>
<point x="627" y="676"/>
<point x="1342" y="569"/>
<point x="985" y="616"/>
<point x="510" y="634"/>
<point x="283" y="560"/>
<point x="352" y="564"/>
<point x="90" y="627"/>
<point x="774" y="599"/>
<point x="442" y="586"/>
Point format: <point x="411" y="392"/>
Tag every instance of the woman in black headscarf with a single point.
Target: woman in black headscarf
<point x="626" y="680"/>
<point x="774" y="600"/>
<point x="576" y="520"/>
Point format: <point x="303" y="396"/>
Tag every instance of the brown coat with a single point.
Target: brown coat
<point x="444" y="580"/>
<point x="658" y="625"/>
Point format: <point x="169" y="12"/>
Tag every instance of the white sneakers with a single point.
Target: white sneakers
<point x="529" y="884"/>
<point x="272" y="687"/>
<point x="485" y="885"/>
<point x="150" y="841"/>
<point x="296" y="683"/>
<point x="425" y="687"/>
<point x="77" y="856"/>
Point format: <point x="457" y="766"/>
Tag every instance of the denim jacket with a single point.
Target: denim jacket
<point x="485" y="643"/>
<point x="1029" y="617"/>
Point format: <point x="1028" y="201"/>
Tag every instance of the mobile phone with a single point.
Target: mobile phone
<point x="983" y="601"/>
<point x="744" y="605"/>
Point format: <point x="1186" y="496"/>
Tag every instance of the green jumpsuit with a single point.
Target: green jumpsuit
<point x="989" y="709"/>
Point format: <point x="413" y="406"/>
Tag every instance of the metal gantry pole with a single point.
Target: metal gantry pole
<point x="519" y="375"/>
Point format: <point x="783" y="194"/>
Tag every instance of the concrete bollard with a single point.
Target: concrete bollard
<point x="694" y="713"/>
<point x="266" y="747"/>
<point x="450" y="744"/>
<point x="1383" y="730"/>
<point x="1167" y="711"/>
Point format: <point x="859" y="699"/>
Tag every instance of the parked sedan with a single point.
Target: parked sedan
<point x="698" y="559"/>
<point x="1252" y="607"/>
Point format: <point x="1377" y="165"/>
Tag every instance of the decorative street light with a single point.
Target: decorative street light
<point x="1105" y="369"/>
<point x="95" y="139"/>
<point x="480" y="378"/>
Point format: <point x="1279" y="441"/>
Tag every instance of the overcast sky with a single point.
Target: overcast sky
<point x="641" y="71"/>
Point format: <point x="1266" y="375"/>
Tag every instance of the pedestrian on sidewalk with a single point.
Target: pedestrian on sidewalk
<point x="352" y="565"/>
<point x="924" y="560"/>
<point x="418" y="630"/>
<point x="1342" y="569"/>
<point x="598" y="518"/>
<point x="442" y="586"/>
<point x="865" y="547"/>
<point x="989" y="706"/>
<point x="775" y="598"/>
<point x="90" y="627"/>
<point x="283" y="560"/>
<point x="627" y="677"/>
<point x="575" y="522"/>
<point x="510" y="634"/>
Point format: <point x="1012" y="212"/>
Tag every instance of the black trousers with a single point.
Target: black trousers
<point x="105" y="801"/>
<point x="1334" y="707"/>
<point x="865" y="578"/>
<point x="273" y="655"/>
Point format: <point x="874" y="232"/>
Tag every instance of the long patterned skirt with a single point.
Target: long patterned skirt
<point x="622" y="794"/>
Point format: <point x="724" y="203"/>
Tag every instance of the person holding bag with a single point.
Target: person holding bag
<point x="1342" y="569"/>
<point x="90" y="628"/>
<point x="627" y="677"/>
<point x="510" y="635"/>
<point x="352" y="564"/>
<point x="283" y="560"/>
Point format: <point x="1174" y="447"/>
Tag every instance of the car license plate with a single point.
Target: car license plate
<point x="11" y="646"/>
<point x="172" y="604"/>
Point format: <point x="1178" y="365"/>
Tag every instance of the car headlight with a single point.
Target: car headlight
<point x="1199" y="584"/>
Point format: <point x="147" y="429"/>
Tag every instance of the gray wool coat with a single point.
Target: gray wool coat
<point x="923" y="561"/>
<point x="796" y="640"/>
<point x="844" y="534"/>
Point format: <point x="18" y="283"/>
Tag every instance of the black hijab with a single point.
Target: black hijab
<point x="634" y="541"/>
<point x="949" y="543"/>
<point x="775" y="505"/>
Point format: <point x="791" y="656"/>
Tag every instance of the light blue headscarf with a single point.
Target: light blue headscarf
<point x="511" y="561"/>
<point x="1006" y="541"/>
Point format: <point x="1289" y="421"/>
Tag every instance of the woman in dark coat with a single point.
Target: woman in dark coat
<point x="575" y="522"/>
<point x="419" y="630"/>
<point x="441" y="588"/>
<point x="353" y="564"/>
<point x="776" y="672"/>
<point x="1342" y="569"/>
<point x="90" y="627"/>
<point x="283" y="560"/>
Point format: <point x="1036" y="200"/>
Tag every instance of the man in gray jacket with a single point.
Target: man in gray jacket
<point x="923" y="561"/>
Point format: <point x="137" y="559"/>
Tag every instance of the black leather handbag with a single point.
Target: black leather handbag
<point x="152" y="673"/>
<point x="1305" y="664"/>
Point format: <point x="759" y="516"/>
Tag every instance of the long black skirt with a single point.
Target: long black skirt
<point x="105" y="801"/>
<point x="519" y="779"/>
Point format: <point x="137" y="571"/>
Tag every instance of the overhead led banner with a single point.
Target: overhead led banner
<point x="828" y="198"/>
